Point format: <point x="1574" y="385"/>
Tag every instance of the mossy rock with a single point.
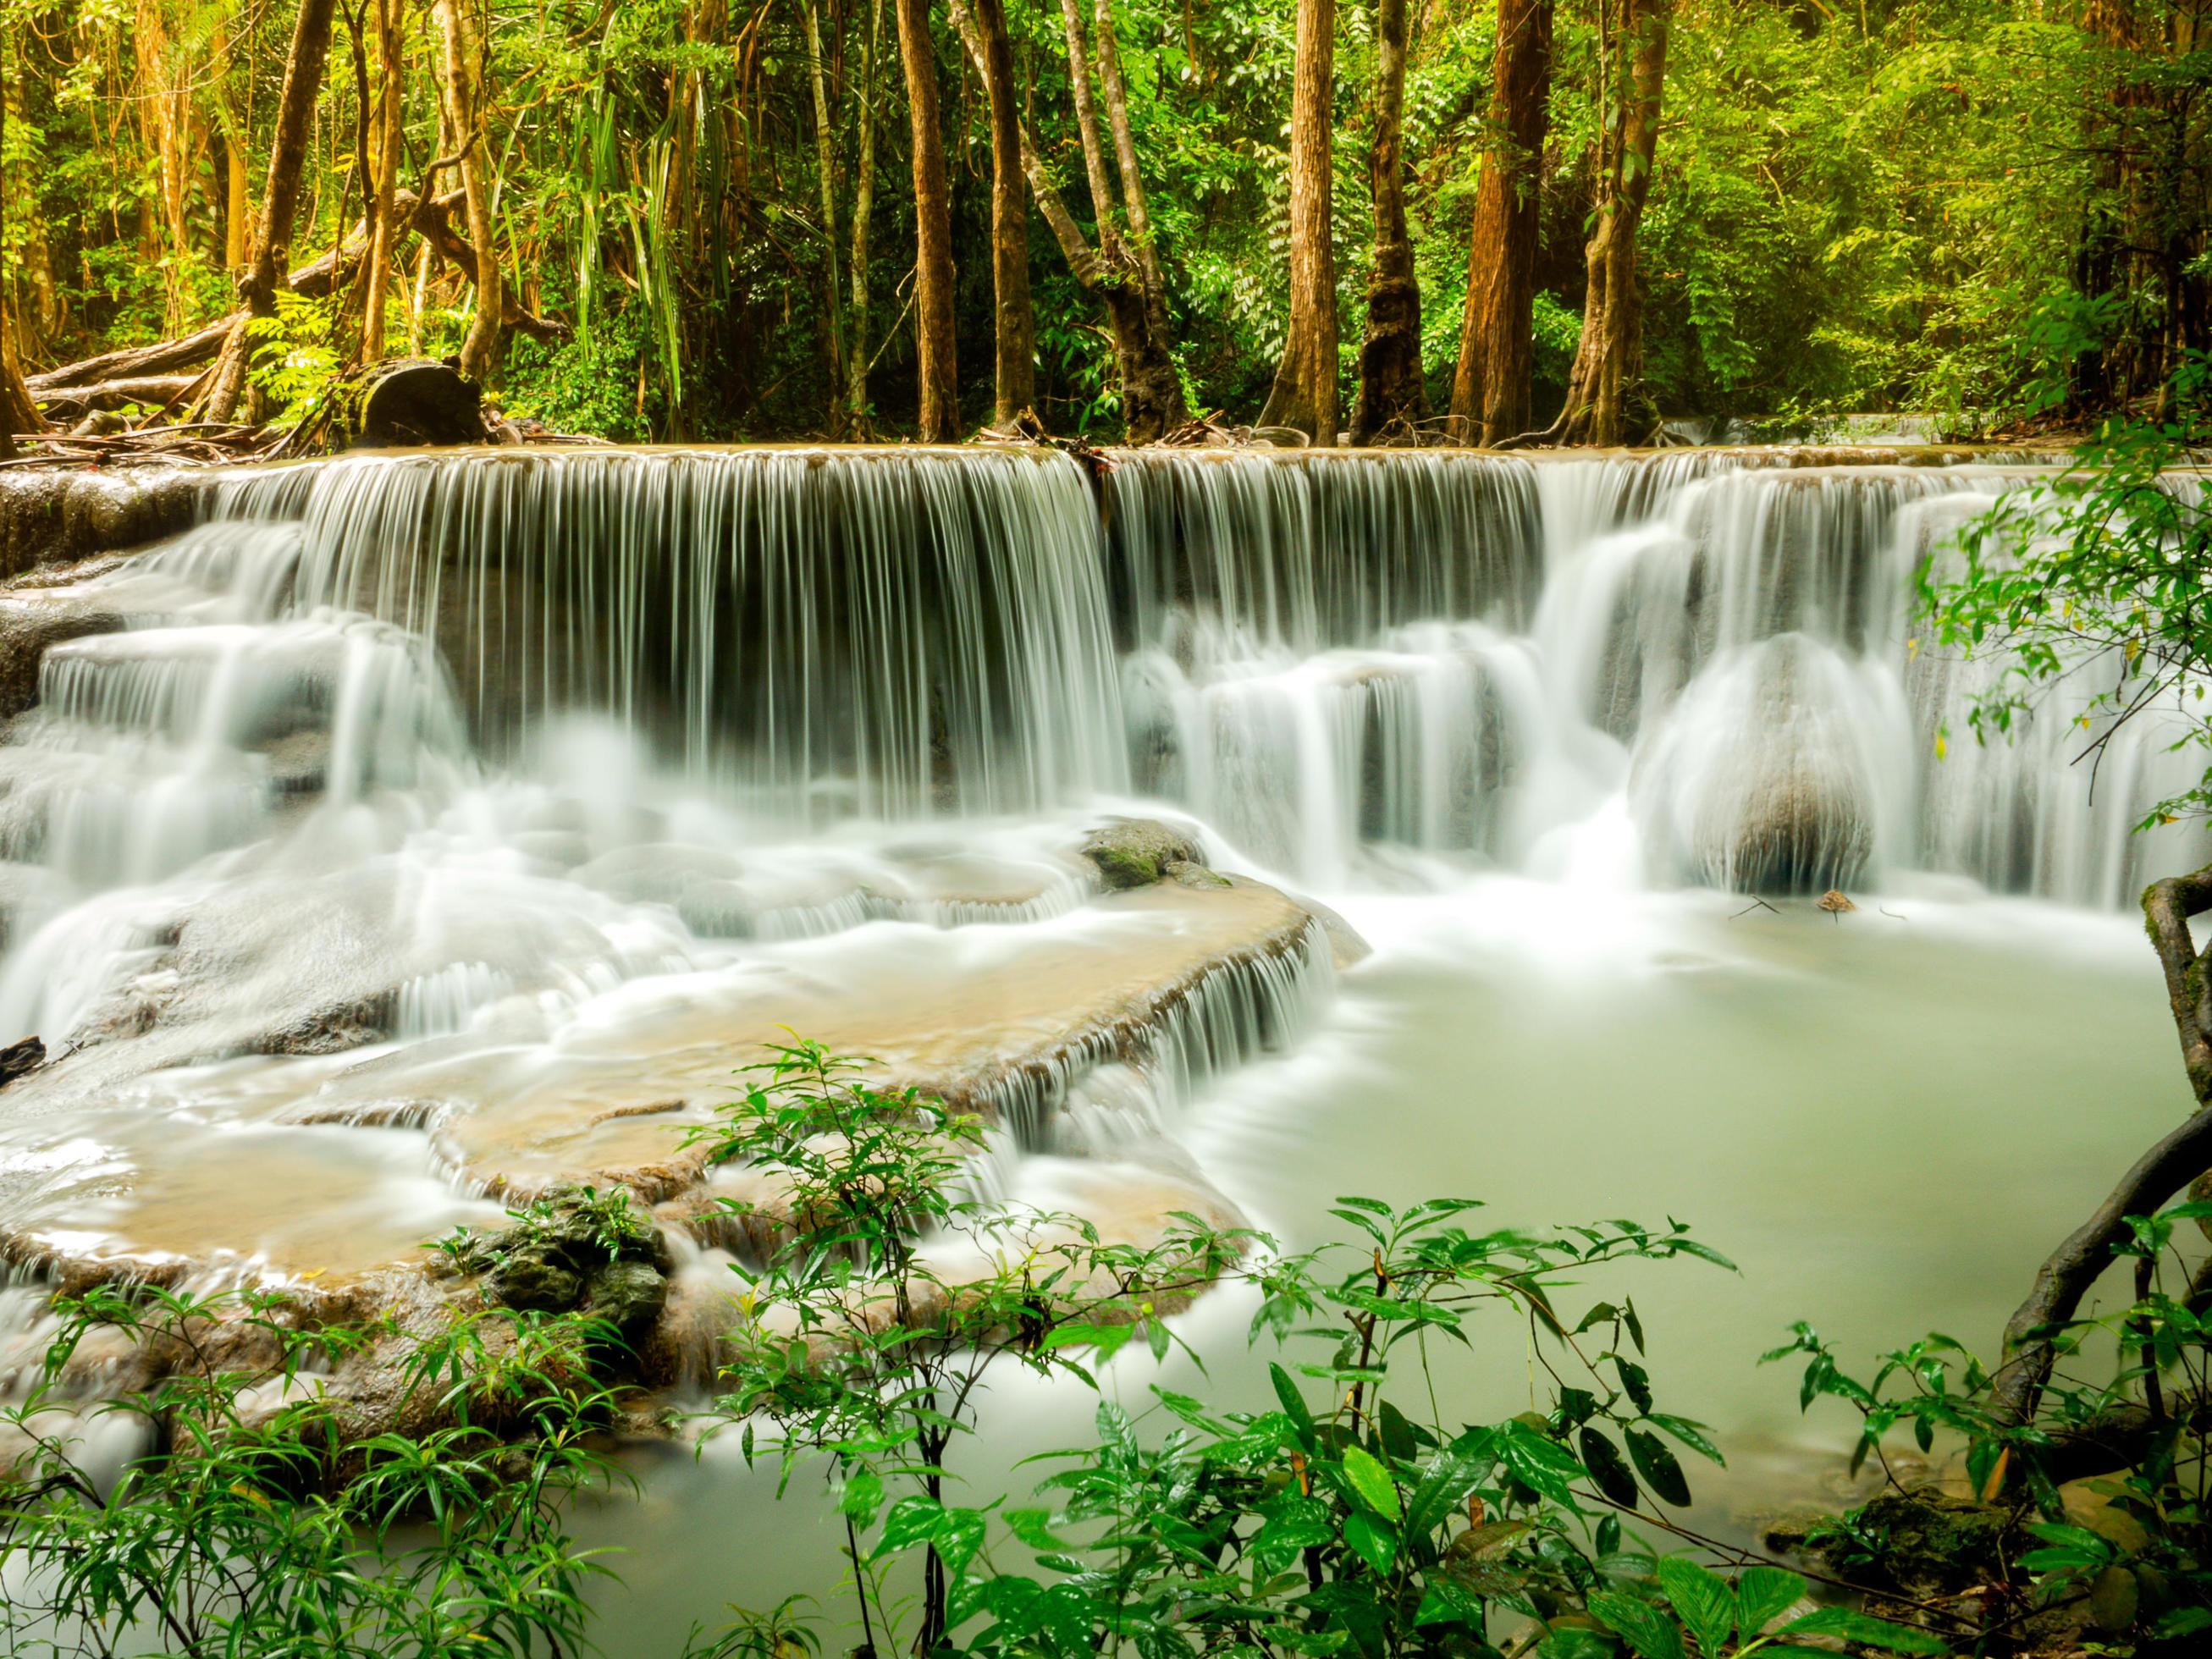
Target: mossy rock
<point x="407" y="403"/>
<point x="1129" y="853"/>
<point x="1928" y="1542"/>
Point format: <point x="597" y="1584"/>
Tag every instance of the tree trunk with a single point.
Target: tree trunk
<point x="280" y="198"/>
<point x="1605" y="368"/>
<point x="932" y="214"/>
<point x="2031" y="1351"/>
<point x="864" y="201"/>
<point x="1152" y="389"/>
<point x="1014" y="372"/>
<point x="18" y="414"/>
<point x="391" y="51"/>
<point x="1390" y="401"/>
<point x="464" y="108"/>
<point x="833" y="340"/>
<point x="1305" y="397"/>
<point x="1136" y="308"/>
<point x="1490" y="389"/>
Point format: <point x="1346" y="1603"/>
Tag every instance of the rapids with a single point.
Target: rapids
<point x="420" y="829"/>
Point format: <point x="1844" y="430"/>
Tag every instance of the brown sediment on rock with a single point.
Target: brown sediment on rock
<point x="297" y="1203"/>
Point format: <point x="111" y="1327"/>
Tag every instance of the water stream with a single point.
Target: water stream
<point x="418" y="828"/>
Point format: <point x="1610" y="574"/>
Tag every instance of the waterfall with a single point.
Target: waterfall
<point x="875" y="634"/>
<point x="418" y="827"/>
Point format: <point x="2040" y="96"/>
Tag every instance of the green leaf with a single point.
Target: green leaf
<point x="1702" y="1601"/>
<point x="1608" y="1467"/>
<point x="1370" y="1540"/>
<point x="1371" y="1482"/>
<point x="1644" y="1627"/>
<point x="1636" y="1381"/>
<point x="1854" y="1626"/>
<point x="1572" y="1641"/>
<point x="862" y="1496"/>
<point x="1294" y="1404"/>
<point x="1690" y="1433"/>
<point x="1658" y="1467"/>
<point x="1763" y="1595"/>
<point x="911" y="1521"/>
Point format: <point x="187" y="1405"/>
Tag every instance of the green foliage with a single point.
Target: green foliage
<point x="2094" y="581"/>
<point x="294" y="361"/>
<point x="248" y="1519"/>
<point x="2148" y="1410"/>
<point x="1364" y="1523"/>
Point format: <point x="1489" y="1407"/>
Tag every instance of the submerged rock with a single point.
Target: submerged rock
<point x="1768" y="775"/>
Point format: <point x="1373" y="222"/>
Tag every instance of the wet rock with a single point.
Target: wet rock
<point x="19" y="1059"/>
<point x="629" y="1295"/>
<point x="60" y="514"/>
<point x="1927" y="1542"/>
<point x="1137" y="852"/>
<point x="410" y="402"/>
<point x="32" y="622"/>
<point x="1765" y="777"/>
<point x="535" y="1282"/>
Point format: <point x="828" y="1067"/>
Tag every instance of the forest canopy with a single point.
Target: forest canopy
<point x="808" y="217"/>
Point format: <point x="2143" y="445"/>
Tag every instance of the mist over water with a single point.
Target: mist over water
<point x="419" y="827"/>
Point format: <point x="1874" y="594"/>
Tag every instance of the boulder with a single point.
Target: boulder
<point x="1769" y="774"/>
<point x="1137" y="852"/>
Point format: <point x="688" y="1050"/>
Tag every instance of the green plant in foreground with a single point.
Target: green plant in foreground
<point x="1370" y="1523"/>
<point x="247" y="1521"/>
<point x="2127" y="1449"/>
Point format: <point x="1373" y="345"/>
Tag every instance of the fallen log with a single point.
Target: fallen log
<point x="158" y="390"/>
<point x="318" y="279"/>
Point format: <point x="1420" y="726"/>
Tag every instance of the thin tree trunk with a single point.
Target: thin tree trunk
<point x="1489" y="390"/>
<point x="1151" y="391"/>
<point x="1390" y="402"/>
<point x="826" y="171"/>
<point x="1305" y="397"/>
<point x="390" y="52"/>
<point x="932" y="212"/>
<point x="463" y="108"/>
<point x="864" y="201"/>
<point x="1084" y="98"/>
<point x="280" y="198"/>
<point x="1606" y="367"/>
<point x="1014" y="371"/>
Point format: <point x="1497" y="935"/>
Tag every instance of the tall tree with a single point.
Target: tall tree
<point x="18" y="414"/>
<point x="384" y="159"/>
<point x="1390" y="398"/>
<point x="1014" y="374"/>
<point x="1490" y="400"/>
<point x="280" y="197"/>
<point x="462" y="86"/>
<point x="1632" y="62"/>
<point x="1122" y="271"/>
<point x="864" y="201"/>
<point x="1304" y="396"/>
<point x="932" y="217"/>
<point x="833" y="342"/>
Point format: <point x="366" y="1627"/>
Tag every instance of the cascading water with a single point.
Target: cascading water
<point x="422" y="828"/>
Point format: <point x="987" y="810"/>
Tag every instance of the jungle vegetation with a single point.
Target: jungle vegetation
<point x="1480" y="220"/>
